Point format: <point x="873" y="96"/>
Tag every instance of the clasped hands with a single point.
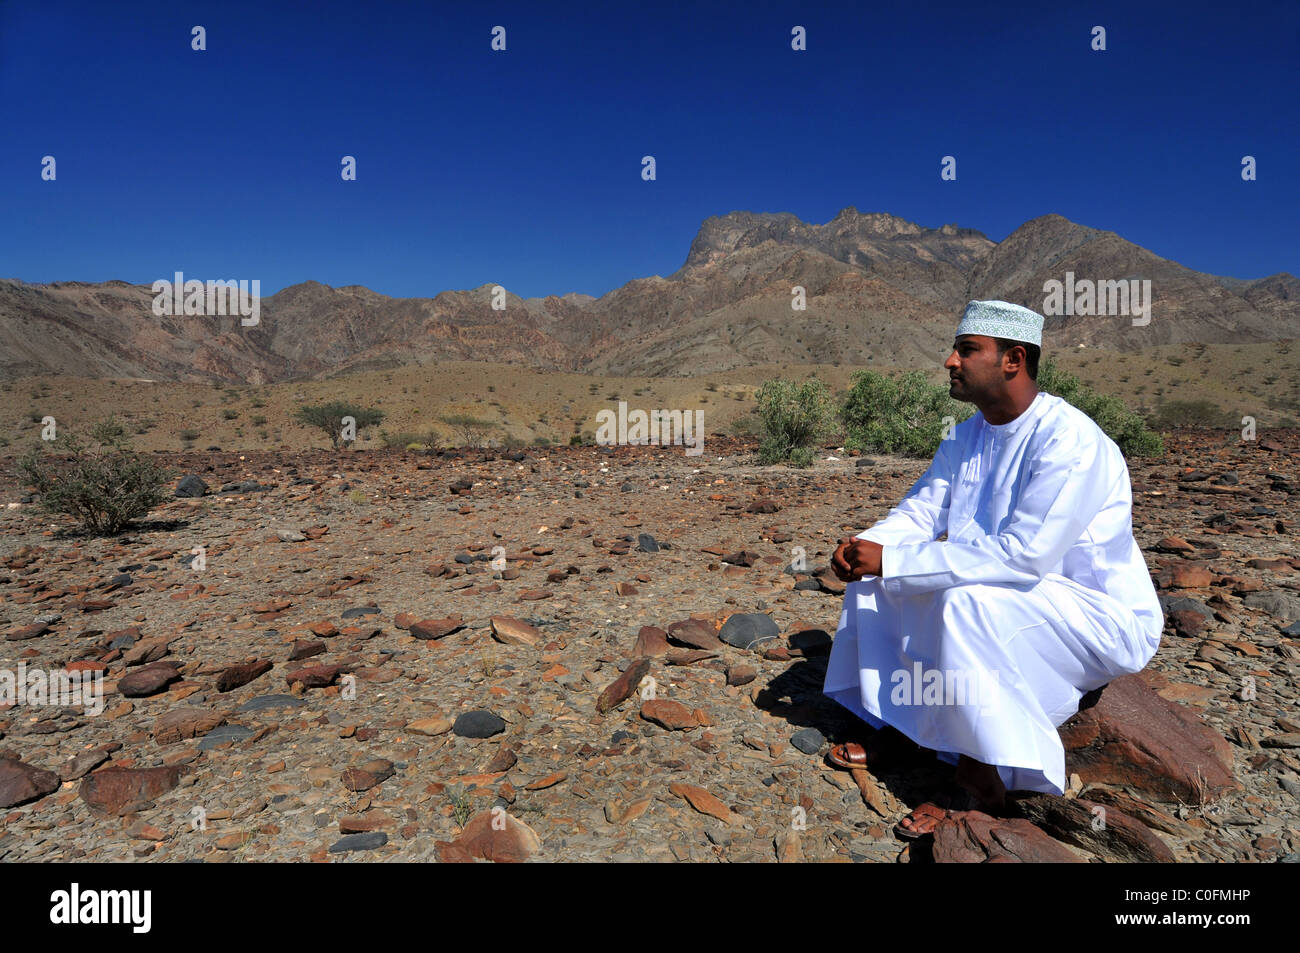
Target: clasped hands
<point x="855" y="558"/>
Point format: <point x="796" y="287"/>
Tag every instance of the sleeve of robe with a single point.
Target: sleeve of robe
<point x="1067" y="486"/>
<point x="922" y="515"/>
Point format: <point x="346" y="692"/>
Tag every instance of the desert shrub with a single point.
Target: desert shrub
<point x="98" y="480"/>
<point x="230" y="414"/>
<point x="329" y="418"/>
<point x="1189" y="413"/>
<point x="1125" y="427"/>
<point x="793" y="416"/>
<point x="904" y="415"/>
<point x="259" y="421"/>
<point x="409" y="440"/>
<point x="189" y="435"/>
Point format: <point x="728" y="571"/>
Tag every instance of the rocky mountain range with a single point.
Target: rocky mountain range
<point x="879" y="290"/>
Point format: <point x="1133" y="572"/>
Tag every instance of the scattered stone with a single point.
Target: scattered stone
<point x="224" y="734"/>
<point x="808" y="740"/>
<point x="650" y="643"/>
<point x="508" y="840"/>
<point x="429" y="726"/>
<point x="238" y="676"/>
<point x="264" y="702"/>
<point x="190" y="487"/>
<point x="480" y="723"/>
<point x="148" y="680"/>
<point x="623" y="687"/>
<point x="21" y="782"/>
<point x="367" y="841"/>
<point x="1126" y="734"/>
<point x="120" y="791"/>
<point x="430" y="629"/>
<point x="745" y="630"/>
<point x="669" y="714"/>
<point x="972" y="837"/>
<point x="703" y="801"/>
<point x="182" y="723"/>
<point x="511" y="631"/>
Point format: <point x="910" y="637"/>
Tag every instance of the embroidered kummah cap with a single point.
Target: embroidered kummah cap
<point x="1001" y="319"/>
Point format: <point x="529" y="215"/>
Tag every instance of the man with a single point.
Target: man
<point x="1038" y="594"/>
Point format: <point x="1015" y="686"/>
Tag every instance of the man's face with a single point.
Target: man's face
<point x="975" y="368"/>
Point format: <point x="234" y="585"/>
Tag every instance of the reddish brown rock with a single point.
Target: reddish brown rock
<point x="703" y="801"/>
<point x="119" y="791"/>
<point x="430" y="629"/>
<point x="21" y="782"/>
<point x="619" y="690"/>
<point x="314" y="676"/>
<point x="741" y="674"/>
<point x="510" y="631"/>
<point x="148" y="680"/>
<point x="239" y="675"/>
<point x="368" y="775"/>
<point x="650" y="643"/>
<point x="694" y="633"/>
<point x="1101" y="830"/>
<point x="450" y="852"/>
<point x="499" y="837"/>
<point x="301" y="650"/>
<point x="24" y="632"/>
<point x="669" y="714"/>
<point x="1131" y="736"/>
<point x="972" y="837"/>
<point x="503" y="760"/>
<point x="182" y="723"/>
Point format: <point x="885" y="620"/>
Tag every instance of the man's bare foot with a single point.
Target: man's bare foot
<point x="983" y="783"/>
<point x="920" y="821"/>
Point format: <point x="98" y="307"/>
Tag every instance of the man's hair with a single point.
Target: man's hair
<point x="1032" y="353"/>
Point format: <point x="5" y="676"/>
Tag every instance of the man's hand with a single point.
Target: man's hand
<point x="855" y="558"/>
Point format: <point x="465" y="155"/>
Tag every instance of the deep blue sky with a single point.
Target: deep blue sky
<point x="523" y="167"/>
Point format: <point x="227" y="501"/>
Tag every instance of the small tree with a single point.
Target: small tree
<point x="100" y="482"/>
<point x="794" y="417"/>
<point x="329" y="418"/>
<point x="472" y="430"/>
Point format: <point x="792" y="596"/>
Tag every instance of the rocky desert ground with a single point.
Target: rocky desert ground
<point x="586" y="653"/>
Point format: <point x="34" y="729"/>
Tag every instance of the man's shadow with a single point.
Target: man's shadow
<point x="911" y="774"/>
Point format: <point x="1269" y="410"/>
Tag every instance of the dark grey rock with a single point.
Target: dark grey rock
<point x="864" y="462"/>
<point x="190" y="487"/>
<point x="744" y="630"/>
<point x="367" y="841"/>
<point x="480" y="723"/>
<point x="1172" y="604"/>
<point x="804" y="585"/>
<point x="264" y="702"/>
<point x="223" y="733"/>
<point x="1280" y="605"/>
<point x="808" y="740"/>
<point x="646" y="543"/>
<point x="360" y="611"/>
<point x="121" y="579"/>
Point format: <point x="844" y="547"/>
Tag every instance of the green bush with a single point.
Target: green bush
<point x="329" y="418"/>
<point x="100" y="482"/>
<point x="1189" y="413"/>
<point x="793" y="416"/>
<point x="1126" y="428"/>
<point x="189" y="435"/>
<point x="903" y="415"/>
<point x="409" y="440"/>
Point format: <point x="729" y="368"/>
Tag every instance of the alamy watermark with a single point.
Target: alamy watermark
<point x="34" y="686"/>
<point x="1087" y="297"/>
<point x="210" y="298"/>
<point x="655" y="427"/>
<point x="945" y="687"/>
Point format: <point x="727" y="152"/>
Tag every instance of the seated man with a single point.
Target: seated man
<point x="980" y="645"/>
